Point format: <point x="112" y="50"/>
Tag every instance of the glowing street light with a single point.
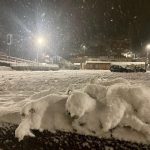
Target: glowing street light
<point x="84" y="48"/>
<point x="40" y="42"/>
<point x="148" y="47"/>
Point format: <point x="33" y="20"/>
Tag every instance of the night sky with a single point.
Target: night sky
<point x="103" y="26"/>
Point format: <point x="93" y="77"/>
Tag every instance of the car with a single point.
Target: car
<point x="139" y="69"/>
<point x="119" y="68"/>
<point x="129" y="69"/>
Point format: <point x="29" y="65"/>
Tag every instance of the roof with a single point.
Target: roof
<point x="114" y="63"/>
<point x="128" y="63"/>
<point x="95" y="62"/>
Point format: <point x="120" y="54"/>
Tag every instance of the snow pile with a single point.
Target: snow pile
<point x="4" y="68"/>
<point x="44" y="113"/>
<point x="34" y="66"/>
<point x="94" y="110"/>
<point x="108" y="82"/>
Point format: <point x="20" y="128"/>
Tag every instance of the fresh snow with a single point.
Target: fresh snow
<point x="21" y="88"/>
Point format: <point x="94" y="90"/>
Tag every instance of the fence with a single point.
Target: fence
<point x="23" y="64"/>
<point x="9" y="59"/>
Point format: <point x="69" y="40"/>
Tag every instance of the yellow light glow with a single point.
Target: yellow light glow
<point x="148" y="47"/>
<point x="40" y="41"/>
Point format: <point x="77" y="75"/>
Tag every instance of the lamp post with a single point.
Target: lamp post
<point x="9" y="42"/>
<point x="40" y="41"/>
<point x="147" y="54"/>
<point x="84" y="48"/>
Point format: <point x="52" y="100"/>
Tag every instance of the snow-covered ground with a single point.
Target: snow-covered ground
<point x="17" y="86"/>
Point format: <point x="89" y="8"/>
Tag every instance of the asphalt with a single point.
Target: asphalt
<point x="61" y="141"/>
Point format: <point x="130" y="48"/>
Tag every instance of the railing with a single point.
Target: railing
<point x="23" y="64"/>
<point x="9" y="59"/>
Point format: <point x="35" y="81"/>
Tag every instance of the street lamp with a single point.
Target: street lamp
<point x="84" y="48"/>
<point x="40" y="41"/>
<point x="147" y="54"/>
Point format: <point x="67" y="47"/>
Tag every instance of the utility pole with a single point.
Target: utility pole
<point x="9" y="42"/>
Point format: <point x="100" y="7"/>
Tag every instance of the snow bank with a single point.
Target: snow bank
<point x="35" y="66"/>
<point x="96" y="110"/>
<point x="4" y="68"/>
<point x="108" y="82"/>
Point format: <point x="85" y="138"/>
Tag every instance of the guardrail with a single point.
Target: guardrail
<point x="23" y="64"/>
<point x="10" y="59"/>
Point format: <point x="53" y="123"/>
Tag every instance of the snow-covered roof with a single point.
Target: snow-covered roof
<point x="128" y="63"/>
<point x="76" y="64"/>
<point x="115" y="63"/>
<point x="95" y="62"/>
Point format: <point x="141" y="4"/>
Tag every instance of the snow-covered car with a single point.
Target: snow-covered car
<point x="119" y="68"/>
<point x="140" y="69"/>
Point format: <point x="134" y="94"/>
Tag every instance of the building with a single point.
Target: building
<point x="97" y="65"/>
<point x="105" y="65"/>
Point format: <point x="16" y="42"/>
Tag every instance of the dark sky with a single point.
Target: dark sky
<point x="69" y="24"/>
